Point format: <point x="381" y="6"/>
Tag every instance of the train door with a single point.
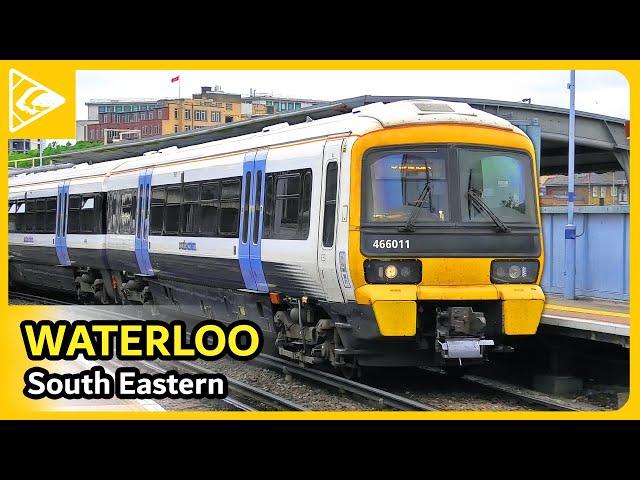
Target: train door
<point x="251" y="217"/>
<point x="60" y="240"/>
<point x="143" y="206"/>
<point x="327" y="263"/>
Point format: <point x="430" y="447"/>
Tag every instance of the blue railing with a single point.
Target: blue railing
<point x="602" y="250"/>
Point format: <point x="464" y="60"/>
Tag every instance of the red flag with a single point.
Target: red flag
<point x="175" y="79"/>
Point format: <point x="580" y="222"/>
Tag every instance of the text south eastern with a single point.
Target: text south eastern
<point x="97" y="383"/>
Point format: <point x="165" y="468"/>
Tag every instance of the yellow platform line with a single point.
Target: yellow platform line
<point x="553" y="306"/>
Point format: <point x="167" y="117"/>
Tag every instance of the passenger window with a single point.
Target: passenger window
<point x="158" y="197"/>
<point x="189" y="213"/>
<point x="230" y="208"/>
<point x="172" y="210"/>
<point x="112" y="202"/>
<point x="127" y="206"/>
<point x="12" y="217"/>
<point x="75" y="203"/>
<point x="287" y="205"/>
<point x="20" y="217"/>
<point x="30" y="217"/>
<point x="247" y="195"/>
<point x="330" y="194"/>
<point x="287" y="210"/>
<point x="305" y="217"/>
<point x="209" y="206"/>
<point x="50" y="215"/>
<point x="41" y="207"/>
<point x="87" y="215"/>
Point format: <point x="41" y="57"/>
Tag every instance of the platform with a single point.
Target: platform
<point x="589" y="318"/>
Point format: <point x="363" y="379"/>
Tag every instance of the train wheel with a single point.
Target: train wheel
<point x="351" y="371"/>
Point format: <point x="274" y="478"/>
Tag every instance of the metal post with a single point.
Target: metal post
<point x="533" y="131"/>
<point x="40" y="141"/>
<point x="570" y="228"/>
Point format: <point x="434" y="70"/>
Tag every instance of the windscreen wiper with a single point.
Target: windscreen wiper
<point x="426" y="192"/>
<point x="476" y="199"/>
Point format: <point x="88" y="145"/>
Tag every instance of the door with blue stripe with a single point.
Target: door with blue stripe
<point x="143" y="206"/>
<point x="251" y="218"/>
<point x="61" y="224"/>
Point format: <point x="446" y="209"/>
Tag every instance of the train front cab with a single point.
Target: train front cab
<point x="437" y="281"/>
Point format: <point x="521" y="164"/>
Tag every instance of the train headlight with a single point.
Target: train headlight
<point x="393" y="271"/>
<point x="390" y="272"/>
<point x="514" y="271"/>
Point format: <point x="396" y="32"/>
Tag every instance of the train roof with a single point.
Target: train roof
<point x="358" y="122"/>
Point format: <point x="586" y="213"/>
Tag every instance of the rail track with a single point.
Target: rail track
<point x="39" y="300"/>
<point x="256" y="395"/>
<point x="361" y="390"/>
<point x="530" y="397"/>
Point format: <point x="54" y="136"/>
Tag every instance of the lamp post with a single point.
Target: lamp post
<point x="570" y="228"/>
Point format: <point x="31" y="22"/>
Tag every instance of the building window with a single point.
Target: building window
<point x="102" y="109"/>
<point x="603" y="192"/>
<point x="614" y="191"/>
<point x="229" y="106"/>
<point x="143" y="116"/>
<point x="187" y="114"/>
<point x="118" y="108"/>
<point x="200" y="115"/>
<point x="594" y="192"/>
<point x="289" y="105"/>
<point x="159" y="115"/>
<point x="175" y="114"/>
<point x="215" y="117"/>
<point x="187" y="128"/>
<point x="151" y="115"/>
<point x="175" y="128"/>
<point x="297" y="105"/>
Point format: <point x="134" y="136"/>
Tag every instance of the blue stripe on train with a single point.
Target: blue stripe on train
<point x="244" y="258"/>
<point x="142" y="224"/>
<point x="255" y="251"/>
<point x="61" y="226"/>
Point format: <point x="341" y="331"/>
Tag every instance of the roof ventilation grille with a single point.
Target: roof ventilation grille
<point x="435" y="107"/>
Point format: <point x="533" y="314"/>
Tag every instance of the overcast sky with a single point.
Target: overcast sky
<point x="605" y="92"/>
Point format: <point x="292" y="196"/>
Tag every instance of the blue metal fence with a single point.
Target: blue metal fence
<point x="602" y="250"/>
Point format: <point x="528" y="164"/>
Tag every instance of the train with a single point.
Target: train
<point x="398" y="234"/>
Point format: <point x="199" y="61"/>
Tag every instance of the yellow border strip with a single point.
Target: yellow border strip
<point x="552" y="306"/>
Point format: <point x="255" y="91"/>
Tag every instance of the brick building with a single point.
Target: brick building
<point x="144" y="118"/>
<point x="609" y="188"/>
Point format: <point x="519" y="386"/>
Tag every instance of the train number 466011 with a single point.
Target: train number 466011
<point x="390" y="244"/>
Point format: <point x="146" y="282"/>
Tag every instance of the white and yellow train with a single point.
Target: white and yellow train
<point x="405" y="233"/>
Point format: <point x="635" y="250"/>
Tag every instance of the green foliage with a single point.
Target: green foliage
<point x="25" y="159"/>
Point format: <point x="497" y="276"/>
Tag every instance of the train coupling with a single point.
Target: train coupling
<point x="460" y="333"/>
